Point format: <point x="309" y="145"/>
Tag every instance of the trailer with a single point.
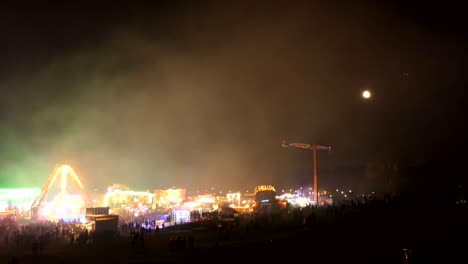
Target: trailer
<point x="104" y="225"/>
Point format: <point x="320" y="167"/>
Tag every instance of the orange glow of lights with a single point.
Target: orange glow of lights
<point x="262" y="188"/>
<point x="63" y="205"/>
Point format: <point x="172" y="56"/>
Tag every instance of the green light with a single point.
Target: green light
<point x="22" y="198"/>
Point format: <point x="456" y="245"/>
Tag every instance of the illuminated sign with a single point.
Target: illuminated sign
<point x="262" y="188"/>
<point x="233" y="197"/>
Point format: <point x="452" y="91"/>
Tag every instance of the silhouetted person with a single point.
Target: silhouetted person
<point x="35" y="247"/>
<point x="180" y="243"/>
<point x="142" y="241"/>
<point x="191" y="242"/>
<point x="172" y="243"/>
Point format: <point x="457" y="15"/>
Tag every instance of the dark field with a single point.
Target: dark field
<point x="334" y="235"/>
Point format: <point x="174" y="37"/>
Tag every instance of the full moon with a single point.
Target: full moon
<point x="366" y="94"/>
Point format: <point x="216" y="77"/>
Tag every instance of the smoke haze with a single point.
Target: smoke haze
<point x="203" y="95"/>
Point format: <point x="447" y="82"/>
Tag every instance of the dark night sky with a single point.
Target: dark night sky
<point x="201" y="93"/>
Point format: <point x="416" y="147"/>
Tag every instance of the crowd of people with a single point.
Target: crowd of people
<point x="397" y="218"/>
<point x="38" y="235"/>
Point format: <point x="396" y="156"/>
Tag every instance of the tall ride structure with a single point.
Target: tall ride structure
<point x="62" y="201"/>
<point x="314" y="148"/>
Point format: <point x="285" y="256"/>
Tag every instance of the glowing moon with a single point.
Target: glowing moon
<point x="366" y="94"/>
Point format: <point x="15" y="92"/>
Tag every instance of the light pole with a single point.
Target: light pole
<point x="314" y="148"/>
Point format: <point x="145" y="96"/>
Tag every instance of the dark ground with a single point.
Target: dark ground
<point x="435" y="234"/>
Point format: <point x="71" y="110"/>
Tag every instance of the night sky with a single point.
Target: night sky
<point x="194" y="94"/>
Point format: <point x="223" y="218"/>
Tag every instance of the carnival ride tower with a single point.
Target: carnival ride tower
<point x="314" y="148"/>
<point x="64" y="205"/>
